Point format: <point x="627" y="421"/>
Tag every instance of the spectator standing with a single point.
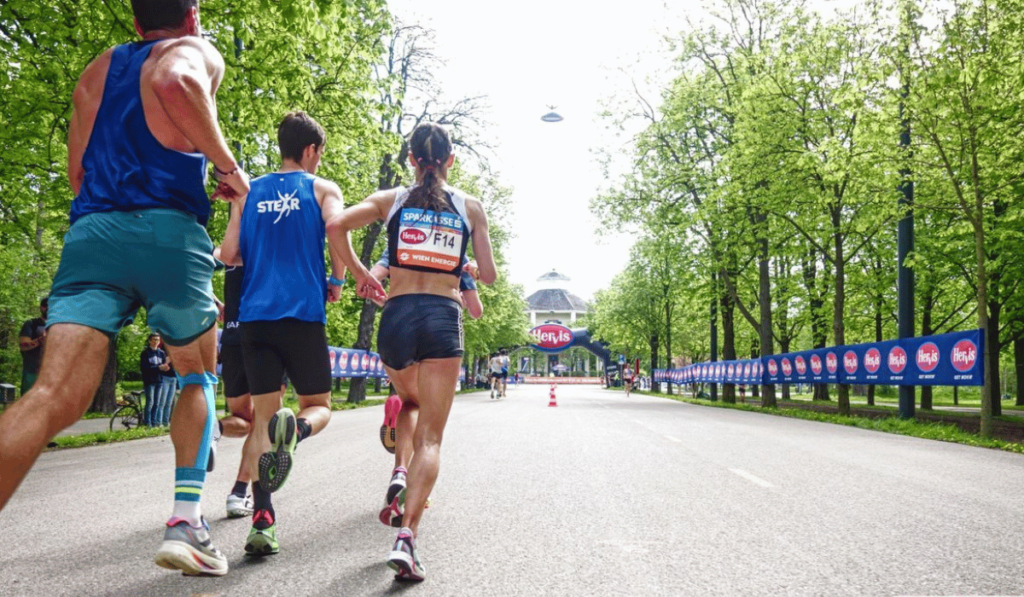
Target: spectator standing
<point x="31" y="341"/>
<point x="150" y="362"/>
<point x="168" y="389"/>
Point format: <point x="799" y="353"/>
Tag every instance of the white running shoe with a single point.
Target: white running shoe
<point x="239" y="506"/>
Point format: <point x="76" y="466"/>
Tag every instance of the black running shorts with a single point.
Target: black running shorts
<point x="414" y="327"/>
<point x="299" y="348"/>
<point x="232" y="370"/>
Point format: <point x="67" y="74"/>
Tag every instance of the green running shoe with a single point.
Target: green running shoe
<point x="262" y="542"/>
<point x="275" y="465"/>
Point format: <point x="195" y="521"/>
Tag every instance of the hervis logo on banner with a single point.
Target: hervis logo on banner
<point x="897" y="360"/>
<point x="927" y="357"/>
<point x="551" y="337"/>
<point x="964" y="355"/>
<point x="815" y="364"/>
<point x="872" y="360"/>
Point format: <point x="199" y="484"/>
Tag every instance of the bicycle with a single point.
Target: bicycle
<point x="129" y="413"/>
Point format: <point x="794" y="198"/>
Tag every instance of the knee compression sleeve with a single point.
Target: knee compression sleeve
<point x="208" y="381"/>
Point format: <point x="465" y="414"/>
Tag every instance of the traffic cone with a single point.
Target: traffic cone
<point x="552" y="401"/>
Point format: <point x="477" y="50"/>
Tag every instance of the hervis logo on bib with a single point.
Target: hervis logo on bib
<point x="413" y="236"/>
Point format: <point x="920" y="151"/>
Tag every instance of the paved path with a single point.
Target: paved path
<point x="601" y="496"/>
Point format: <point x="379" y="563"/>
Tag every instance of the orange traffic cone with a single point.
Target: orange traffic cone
<point x="552" y="401"/>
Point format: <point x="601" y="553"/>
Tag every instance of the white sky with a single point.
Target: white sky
<point x="525" y="56"/>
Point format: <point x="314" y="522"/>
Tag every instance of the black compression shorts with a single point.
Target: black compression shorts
<point x="298" y="348"/>
<point x="232" y="369"/>
<point x="414" y="327"/>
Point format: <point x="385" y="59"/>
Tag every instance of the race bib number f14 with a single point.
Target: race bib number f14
<point x="429" y="239"/>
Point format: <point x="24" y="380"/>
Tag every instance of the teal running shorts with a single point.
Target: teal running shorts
<point x="115" y="262"/>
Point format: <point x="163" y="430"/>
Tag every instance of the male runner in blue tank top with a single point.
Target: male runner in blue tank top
<point x="280" y="239"/>
<point x="143" y="127"/>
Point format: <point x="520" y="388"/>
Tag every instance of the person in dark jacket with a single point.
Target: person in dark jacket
<point x="152" y="362"/>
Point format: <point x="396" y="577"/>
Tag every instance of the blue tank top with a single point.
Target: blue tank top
<point x="126" y="168"/>
<point x="282" y="246"/>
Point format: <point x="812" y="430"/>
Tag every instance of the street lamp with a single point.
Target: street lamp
<point x="552" y="116"/>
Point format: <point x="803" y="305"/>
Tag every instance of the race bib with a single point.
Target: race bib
<point x="430" y="239"/>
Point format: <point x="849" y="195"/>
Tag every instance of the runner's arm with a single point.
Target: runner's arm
<point x="85" y="102"/>
<point x="185" y="80"/>
<point x="339" y="228"/>
<point x="331" y="205"/>
<point x="230" y="249"/>
<point x="487" y="272"/>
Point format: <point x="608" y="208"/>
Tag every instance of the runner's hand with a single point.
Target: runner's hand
<point x="333" y="293"/>
<point x="368" y="287"/>
<point x="472" y="269"/>
<point x="232" y="185"/>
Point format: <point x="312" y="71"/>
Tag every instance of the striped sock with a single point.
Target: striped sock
<point x="188" y="488"/>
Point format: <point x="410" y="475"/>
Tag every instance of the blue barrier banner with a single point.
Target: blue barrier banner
<point x="954" y="359"/>
<point x="351" y="362"/>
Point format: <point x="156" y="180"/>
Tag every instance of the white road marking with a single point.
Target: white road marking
<point x="673" y="439"/>
<point x="751" y="478"/>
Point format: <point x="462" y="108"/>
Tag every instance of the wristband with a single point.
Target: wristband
<point x="335" y="282"/>
<point x="219" y="172"/>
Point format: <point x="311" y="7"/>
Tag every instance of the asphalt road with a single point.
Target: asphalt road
<point x="600" y="496"/>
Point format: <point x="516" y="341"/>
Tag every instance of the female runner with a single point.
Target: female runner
<point x="429" y="227"/>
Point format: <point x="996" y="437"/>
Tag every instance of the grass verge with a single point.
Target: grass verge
<point x="107" y="437"/>
<point x="925" y="430"/>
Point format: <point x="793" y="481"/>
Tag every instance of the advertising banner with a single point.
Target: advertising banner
<point x="350" y="362"/>
<point x="953" y="359"/>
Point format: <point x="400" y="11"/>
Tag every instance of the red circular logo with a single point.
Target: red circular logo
<point x="872" y="360"/>
<point x="816" y="364"/>
<point x="831" y="362"/>
<point x="897" y="359"/>
<point x="927" y="357"/>
<point x="964" y="355"/>
<point x="801" y="365"/>
<point x="746" y="370"/>
<point x="412" y="236"/>
<point x="787" y="367"/>
<point x="366" y="361"/>
<point x="732" y="370"/>
<point x="773" y="367"/>
<point x="850" y="362"/>
<point x="343" y="360"/>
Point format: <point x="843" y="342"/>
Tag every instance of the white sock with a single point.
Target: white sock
<point x="188" y="511"/>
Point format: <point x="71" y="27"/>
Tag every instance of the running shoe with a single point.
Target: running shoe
<point x="394" y="502"/>
<point x="276" y="464"/>
<point x="403" y="558"/>
<point x="262" y="540"/>
<point x="387" y="430"/>
<point x="239" y="506"/>
<point x="189" y="549"/>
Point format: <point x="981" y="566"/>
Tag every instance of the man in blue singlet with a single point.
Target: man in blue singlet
<point x="143" y="127"/>
<point x="280" y="239"/>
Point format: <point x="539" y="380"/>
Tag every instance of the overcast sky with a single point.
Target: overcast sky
<point x="525" y="56"/>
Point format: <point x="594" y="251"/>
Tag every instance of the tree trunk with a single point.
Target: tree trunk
<point x="766" y="342"/>
<point x="839" y="306"/>
<point x="927" y="303"/>
<point x="728" y="341"/>
<point x="367" y="316"/>
<point x="878" y="334"/>
<point x="992" y="340"/>
<point x="819" y="335"/>
<point x="982" y="289"/>
<point x="105" y="399"/>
